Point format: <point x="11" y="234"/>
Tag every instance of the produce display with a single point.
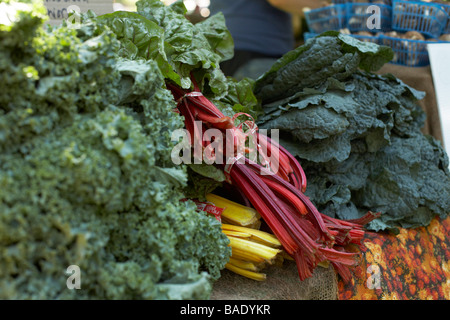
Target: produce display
<point x="88" y="112"/>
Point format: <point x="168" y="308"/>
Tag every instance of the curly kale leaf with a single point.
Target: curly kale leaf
<point x="86" y="176"/>
<point x="92" y="195"/>
<point x="58" y="75"/>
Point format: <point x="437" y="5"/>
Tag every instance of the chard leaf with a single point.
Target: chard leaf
<point x="140" y="38"/>
<point x="192" y="49"/>
<point x="241" y="98"/>
<point x="218" y="36"/>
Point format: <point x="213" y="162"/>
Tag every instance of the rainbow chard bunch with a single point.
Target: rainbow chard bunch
<point x="273" y="182"/>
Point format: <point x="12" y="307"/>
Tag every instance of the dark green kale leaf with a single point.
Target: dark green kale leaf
<point x="330" y="55"/>
<point x="356" y="134"/>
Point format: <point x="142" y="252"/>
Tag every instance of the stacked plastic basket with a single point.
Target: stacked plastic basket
<point x="406" y="26"/>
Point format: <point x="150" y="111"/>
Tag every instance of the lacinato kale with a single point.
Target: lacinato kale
<point x="357" y="134"/>
<point x="329" y="55"/>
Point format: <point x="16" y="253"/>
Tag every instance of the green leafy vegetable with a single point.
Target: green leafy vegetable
<point x="162" y="33"/>
<point x="330" y="55"/>
<point x="357" y="134"/>
<point x="86" y="176"/>
<point x="203" y="179"/>
<point x="139" y="38"/>
<point x="241" y="98"/>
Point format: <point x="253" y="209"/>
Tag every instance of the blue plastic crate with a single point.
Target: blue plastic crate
<point x="407" y="52"/>
<point x="429" y="19"/>
<point x="364" y="38"/>
<point x="446" y="8"/>
<point x="359" y="17"/>
<point x="326" y="18"/>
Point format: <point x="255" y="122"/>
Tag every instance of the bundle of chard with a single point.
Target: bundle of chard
<point x="274" y="188"/>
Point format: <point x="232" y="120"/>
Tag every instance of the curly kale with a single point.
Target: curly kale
<point x="86" y="176"/>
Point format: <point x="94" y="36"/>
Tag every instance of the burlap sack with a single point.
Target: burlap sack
<point x="282" y="283"/>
